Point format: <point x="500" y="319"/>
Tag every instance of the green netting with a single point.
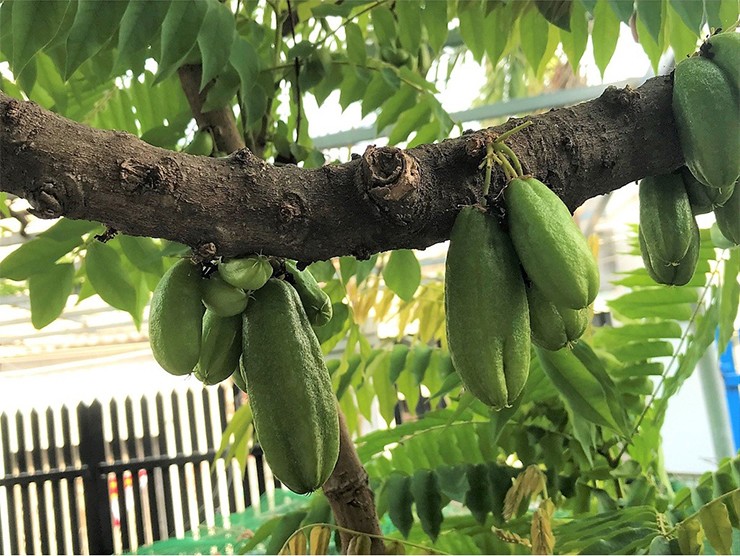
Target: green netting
<point x="227" y="540"/>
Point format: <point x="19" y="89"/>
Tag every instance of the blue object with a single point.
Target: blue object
<point x="732" y="384"/>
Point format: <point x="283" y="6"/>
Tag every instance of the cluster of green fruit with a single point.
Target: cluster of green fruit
<point x="706" y="105"/>
<point x="531" y="279"/>
<point x="242" y="322"/>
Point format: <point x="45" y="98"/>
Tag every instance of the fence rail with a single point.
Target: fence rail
<point x="121" y="473"/>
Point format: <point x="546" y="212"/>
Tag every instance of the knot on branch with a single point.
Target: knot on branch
<point x="46" y="200"/>
<point x="162" y="177"/>
<point x="392" y="180"/>
<point x="621" y="98"/>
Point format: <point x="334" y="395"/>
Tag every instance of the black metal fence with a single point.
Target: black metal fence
<point x="114" y="475"/>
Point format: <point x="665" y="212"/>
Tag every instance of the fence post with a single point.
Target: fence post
<point x="92" y="454"/>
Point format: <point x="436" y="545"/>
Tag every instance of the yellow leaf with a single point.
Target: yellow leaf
<point x="690" y="536"/>
<point x="359" y="544"/>
<point x="543" y="540"/>
<point x="529" y="483"/>
<point x="510" y="537"/>
<point x="716" y="522"/>
<point x="319" y="538"/>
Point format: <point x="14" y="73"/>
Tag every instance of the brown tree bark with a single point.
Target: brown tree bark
<point x="385" y="199"/>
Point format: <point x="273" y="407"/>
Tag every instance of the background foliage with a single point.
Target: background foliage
<point x="576" y="464"/>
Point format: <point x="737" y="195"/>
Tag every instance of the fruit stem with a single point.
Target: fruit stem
<point x="503" y="148"/>
<point x="504" y="136"/>
<point x="489" y="164"/>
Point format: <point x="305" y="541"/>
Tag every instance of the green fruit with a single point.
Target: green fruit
<point x="176" y="318"/>
<point x="724" y="51"/>
<point x="707" y="114"/>
<point x="482" y="278"/>
<point x="250" y="273"/>
<point x="728" y="217"/>
<point x="220" y="349"/>
<point x="551" y="248"/>
<point x="222" y="298"/>
<point x="290" y="391"/>
<point x="316" y="302"/>
<point x="718" y="239"/>
<point x="678" y="274"/>
<point x="701" y="197"/>
<point x="201" y="145"/>
<point x="666" y="220"/>
<point x="554" y="328"/>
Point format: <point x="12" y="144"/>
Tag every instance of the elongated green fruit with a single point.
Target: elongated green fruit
<point x="703" y="198"/>
<point x="678" y="274"/>
<point x="728" y="217"/>
<point x="486" y="308"/>
<point x="316" y="303"/>
<point x="549" y="244"/>
<point x="666" y="220"/>
<point x="176" y="318"/>
<point x="220" y="349"/>
<point x="250" y="273"/>
<point x="289" y="388"/>
<point x="724" y="51"/>
<point x="718" y="238"/>
<point x="707" y="113"/>
<point x="222" y="298"/>
<point x="554" y="328"/>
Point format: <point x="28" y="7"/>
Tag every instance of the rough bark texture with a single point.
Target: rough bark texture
<point x="385" y="199"/>
<point x="349" y="494"/>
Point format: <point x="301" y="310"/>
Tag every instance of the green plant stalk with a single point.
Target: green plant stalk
<point x="503" y="148"/>
<point x="504" y="136"/>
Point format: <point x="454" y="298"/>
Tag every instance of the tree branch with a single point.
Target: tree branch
<point x="386" y="199"/>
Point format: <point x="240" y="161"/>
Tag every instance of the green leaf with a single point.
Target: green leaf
<point x="409" y="19"/>
<point x="500" y="22"/>
<point x="215" y="38"/>
<point x="384" y="25"/>
<point x="92" y="28"/>
<point x="574" y="42"/>
<point x="403" y="99"/>
<point x="578" y="386"/>
<point x="34" y="24"/>
<point x="623" y="9"/>
<point x="472" y="28"/>
<point x="48" y="292"/>
<point x="353" y="86"/>
<point x="556" y="12"/>
<point x="716" y="523"/>
<point x="479" y="498"/>
<point x="640" y="350"/>
<point x="34" y="257"/>
<point x="663" y="302"/>
<point x="139" y="27"/>
<point x="398" y="491"/>
<point x="604" y="34"/>
<point x="453" y="481"/>
<point x="426" y="493"/>
<point x="409" y="121"/>
<point x="682" y="39"/>
<point x="385" y="391"/>
<point x="109" y="278"/>
<point x="691" y="13"/>
<point x="142" y="252"/>
<point x="402" y="274"/>
<point x="729" y="297"/>
<point x="434" y="17"/>
<point x="287" y="525"/>
<point x="180" y="30"/>
<point x="538" y="41"/>
<point x="649" y="12"/>
<point x="245" y="60"/>
<point x="355" y="43"/>
<point x="378" y="91"/>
